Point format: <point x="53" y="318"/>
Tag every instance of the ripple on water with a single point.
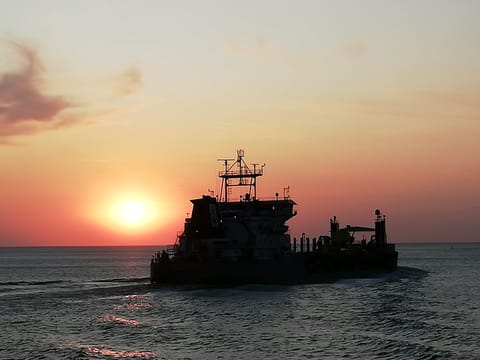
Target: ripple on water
<point x="120" y="320"/>
<point x="103" y="351"/>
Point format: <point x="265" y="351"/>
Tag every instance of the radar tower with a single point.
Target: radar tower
<point x="239" y="174"/>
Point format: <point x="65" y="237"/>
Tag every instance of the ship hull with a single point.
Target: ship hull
<point x="290" y="269"/>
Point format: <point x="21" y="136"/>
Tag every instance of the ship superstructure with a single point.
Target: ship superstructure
<point x="244" y="228"/>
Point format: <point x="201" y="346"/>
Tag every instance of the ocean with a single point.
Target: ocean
<point x="97" y="303"/>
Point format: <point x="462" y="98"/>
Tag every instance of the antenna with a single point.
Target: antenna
<point x="225" y="162"/>
<point x="238" y="173"/>
<point x="226" y="165"/>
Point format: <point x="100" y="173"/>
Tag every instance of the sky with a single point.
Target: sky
<point x="113" y="114"/>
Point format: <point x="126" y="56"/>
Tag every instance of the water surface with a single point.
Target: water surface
<point x="97" y="303"/>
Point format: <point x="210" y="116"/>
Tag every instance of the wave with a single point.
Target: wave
<point x="401" y="273"/>
<point x="104" y="352"/>
<point x="33" y="283"/>
<point x="124" y="280"/>
<point x="57" y="282"/>
<point x="406" y="271"/>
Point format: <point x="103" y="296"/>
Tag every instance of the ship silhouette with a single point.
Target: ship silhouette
<point x="247" y="241"/>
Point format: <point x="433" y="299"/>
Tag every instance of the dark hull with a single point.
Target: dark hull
<point x="290" y="269"/>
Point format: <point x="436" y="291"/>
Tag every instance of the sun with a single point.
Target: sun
<point x="129" y="211"/>
<point x="132" y="212"/>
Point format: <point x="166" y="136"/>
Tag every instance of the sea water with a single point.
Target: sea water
<point x="97" y="303"/>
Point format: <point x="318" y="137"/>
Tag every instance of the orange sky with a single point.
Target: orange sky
<point x="112" y="116"/>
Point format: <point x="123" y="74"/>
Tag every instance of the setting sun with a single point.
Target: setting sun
<point x="127" y="211"/>
<point x="132" y="212"/>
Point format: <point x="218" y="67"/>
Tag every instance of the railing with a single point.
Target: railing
<point x="238" y="199"/>
<point x="245" y="172"/>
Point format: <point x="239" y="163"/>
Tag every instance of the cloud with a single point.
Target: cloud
<point x="355" y="49"/>
<point x="128" y="81"/>
<point x="466" y="99"/>
<point x="24" y="107"/>
<point x="261" y="50"/>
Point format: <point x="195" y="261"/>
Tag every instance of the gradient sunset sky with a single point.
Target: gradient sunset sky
<point x="106" y="106"/>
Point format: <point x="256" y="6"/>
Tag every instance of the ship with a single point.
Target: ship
<point x="231" y="240"/>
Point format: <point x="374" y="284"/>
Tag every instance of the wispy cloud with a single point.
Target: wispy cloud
<point x="24" y="105"/>
<point x="413" y="106"/>
<point x="128" y="82"/>
<point x="261" y="50"/>
<point x="354" y="49"/>
<point x="460" y="99"/>
<point x="406" y="107"/>
<point x="27" y="108"/>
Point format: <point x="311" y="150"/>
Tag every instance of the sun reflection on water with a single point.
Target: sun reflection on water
<point x="120" y="320"/>
<point x="117" y="354"/>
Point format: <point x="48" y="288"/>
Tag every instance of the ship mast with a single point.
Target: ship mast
<point x="238" y="173"/>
